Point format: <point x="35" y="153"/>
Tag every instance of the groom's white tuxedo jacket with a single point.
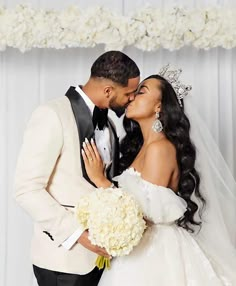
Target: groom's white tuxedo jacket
<point x="50" y="179"/>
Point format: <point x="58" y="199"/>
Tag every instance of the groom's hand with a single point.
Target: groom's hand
<point x="84" y="240"/>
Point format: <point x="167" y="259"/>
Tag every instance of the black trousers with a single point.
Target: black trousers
<point x="47" y="277"/>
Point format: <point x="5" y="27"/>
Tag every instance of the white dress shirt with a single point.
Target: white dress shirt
<point x="103" y="143"/>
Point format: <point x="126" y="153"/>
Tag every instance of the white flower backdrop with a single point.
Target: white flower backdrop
<point x="148" y="28"/>
<point x="27" y="79"/>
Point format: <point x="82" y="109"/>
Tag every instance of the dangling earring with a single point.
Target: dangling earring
<point x="157" y="125"/>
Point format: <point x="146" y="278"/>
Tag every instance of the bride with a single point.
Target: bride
<point x="190" y="239"/>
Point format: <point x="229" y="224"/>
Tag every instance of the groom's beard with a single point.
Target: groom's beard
<point x="119" y="110"/>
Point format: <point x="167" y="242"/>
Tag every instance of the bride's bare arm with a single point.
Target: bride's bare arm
<point x="94" y="165"/>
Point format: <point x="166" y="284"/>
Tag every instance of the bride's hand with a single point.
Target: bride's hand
<point x="93" y="164"/>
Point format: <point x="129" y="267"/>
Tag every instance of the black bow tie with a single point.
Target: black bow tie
<point x="100" y="118"/>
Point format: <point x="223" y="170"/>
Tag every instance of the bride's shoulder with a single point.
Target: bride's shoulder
<point x="161" y="148"/>
<point x="159" y="163"/>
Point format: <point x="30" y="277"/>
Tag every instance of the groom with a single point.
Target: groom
<point x="51" y="177"/>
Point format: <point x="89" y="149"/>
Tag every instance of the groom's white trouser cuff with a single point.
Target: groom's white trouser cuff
<point x="70" y="241"/>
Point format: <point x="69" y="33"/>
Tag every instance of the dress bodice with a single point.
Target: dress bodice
<point x="159" y="204"/>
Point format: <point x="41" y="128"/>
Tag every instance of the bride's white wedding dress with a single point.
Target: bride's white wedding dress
<point x="167" y="255"/>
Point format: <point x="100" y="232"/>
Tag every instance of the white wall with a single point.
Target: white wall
<point x="36" y="76"/>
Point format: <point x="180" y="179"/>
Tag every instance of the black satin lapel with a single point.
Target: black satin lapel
<point x="83" y="121"/>
<point x="113" y="169"/>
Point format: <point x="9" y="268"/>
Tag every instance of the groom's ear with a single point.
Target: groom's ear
<point x="108" y="91"/>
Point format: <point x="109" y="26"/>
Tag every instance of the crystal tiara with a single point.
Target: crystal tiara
<point x="172" y="76"/>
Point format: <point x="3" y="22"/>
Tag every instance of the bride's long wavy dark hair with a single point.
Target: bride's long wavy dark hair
<point x="176" y="127"/>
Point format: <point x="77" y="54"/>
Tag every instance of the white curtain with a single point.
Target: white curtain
<point x="28" y="79"/>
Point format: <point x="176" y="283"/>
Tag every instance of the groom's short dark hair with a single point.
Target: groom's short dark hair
<point x="116" y="66"/>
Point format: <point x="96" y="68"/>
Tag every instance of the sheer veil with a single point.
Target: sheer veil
<point x="217" y="236"/>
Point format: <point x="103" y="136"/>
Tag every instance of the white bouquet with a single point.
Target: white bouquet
<point x="114" y="220"/>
